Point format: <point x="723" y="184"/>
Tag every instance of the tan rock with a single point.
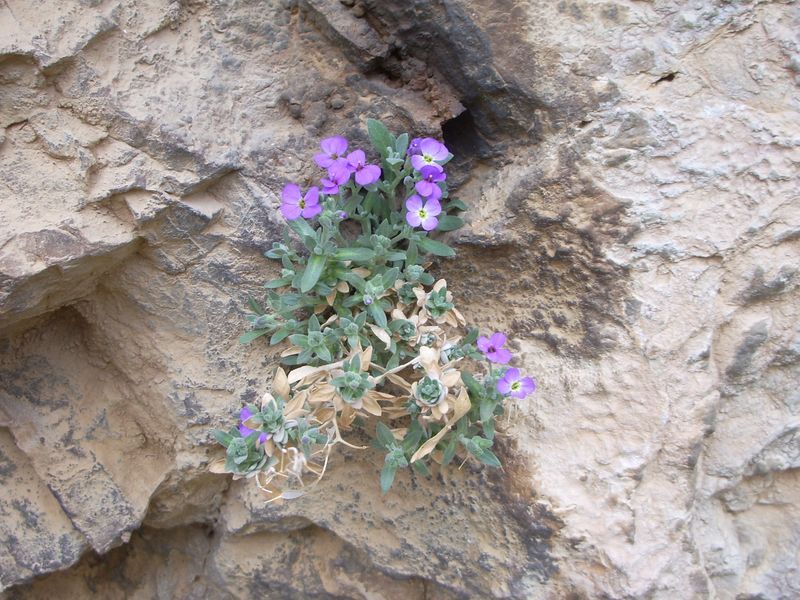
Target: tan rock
<point x="632" y="172"/>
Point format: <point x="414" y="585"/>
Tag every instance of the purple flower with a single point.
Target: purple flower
<point x="295" y="205"/>
<point x="413" y="147"/>
<point x="427" y="187"/>
<point x="431" y="153"/>
<point x="336" y="177"/>
<point x="511" y="384"/>
<point x="365" y="174"/>
<point x="492" y="348"/>
<point x="245" y="431"/>
<point x="425" y="215"/>
<point x="333" y="151"/>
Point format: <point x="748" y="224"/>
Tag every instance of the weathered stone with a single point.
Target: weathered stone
<point x="631" y="171"/>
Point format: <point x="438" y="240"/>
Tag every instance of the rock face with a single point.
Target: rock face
<point x="632" y="171"/>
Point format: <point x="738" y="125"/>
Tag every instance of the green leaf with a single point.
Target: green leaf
<point x="488" y="429"/>
<point x="357" y="254"/>
<point x="324" y="354"/>
<point x="487" y="411"/>
<point x="384" y="435"/>
<point x="456" y="204"/>
<point x="450" y="450"/>
<point x="301" y="227"/>
<point x="377" y="315"/>
<point x="387" y="476"/>
<point x="313" y="271"/>
<point x="414" y="435"/>
<point x="449" y="223"/>
<point x="402" y="144"/>
<point x="487" y="457"/>
<point x="223" y="437"/>
<point x="436" y="248"/>
<point x="389" y="277"/>
<point x="475" y="388"/>
<point x="412" y="257"/>
<point x="472" y="335"/>
<point x="299" y="339"/>
<point x="279" y="336"/>
<point x="380" y="136"/>
<point x="278" y="283"/>
<point x="254" y="306"/>
<point x="420" y="468"/>
<point x="356" y="281"/>
<point x="249" y="336"/>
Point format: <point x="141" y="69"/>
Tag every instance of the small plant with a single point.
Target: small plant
<point x="368" y="333"/>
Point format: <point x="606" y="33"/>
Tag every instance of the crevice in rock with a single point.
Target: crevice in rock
<point x="667" y="77"/>
<point x="462" y="138"/>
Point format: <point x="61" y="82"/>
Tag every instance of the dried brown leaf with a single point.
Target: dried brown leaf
<point x="321" y="393"/>
<point x="451" y="378"/>
<point x="381" y="334"/>
<point x="307" y="371"/>
<point x="330" y="298"/>
<point x="428" y="446"/>
<point x="370" y="404"/>
<point x="280" y="384"/>
<point x="366" y="358"/>
<point x="397" y="380"/>
<point x="217" y="466"/>
<point x="294" y="407"/>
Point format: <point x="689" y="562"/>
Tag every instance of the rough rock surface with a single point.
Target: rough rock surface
<point x="633" y="174"/>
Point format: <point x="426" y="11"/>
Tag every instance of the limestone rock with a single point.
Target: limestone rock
<point x="631" y="170"/>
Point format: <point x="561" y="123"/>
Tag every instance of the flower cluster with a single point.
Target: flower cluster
<point x="367" y="334"/>
<point x="511" y="383"/>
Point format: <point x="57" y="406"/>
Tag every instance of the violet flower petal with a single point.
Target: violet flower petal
<point x="312" y="196"/>
<point x="424" y="188"/>
<point x="311" y="211"/>
<point x="291" y="193"/>
<point x="323" y="160"/>
<point x="356" y="159"/>
<point x="433" y="148"/>
<point x="290" y="211"/>
<point x="527" y="386"/>
<point x="500" y="356"/>
<point x="413" y="147"/>
<point x="334" y="146"/>
<point x="368" y="174"/>
<point x="433" y="208"/>
<point x="412" y="218"/>
<point x="430" y="223"/>
<point x="414" y="203"/>
<point x="498" y="339"/>
<point x="504" y="386"/>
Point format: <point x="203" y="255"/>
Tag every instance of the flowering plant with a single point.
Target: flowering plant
<point x="368" y="333"/>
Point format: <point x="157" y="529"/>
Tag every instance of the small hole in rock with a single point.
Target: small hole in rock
<point x="667" y="77"/>
<point x="462" y="138"/>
